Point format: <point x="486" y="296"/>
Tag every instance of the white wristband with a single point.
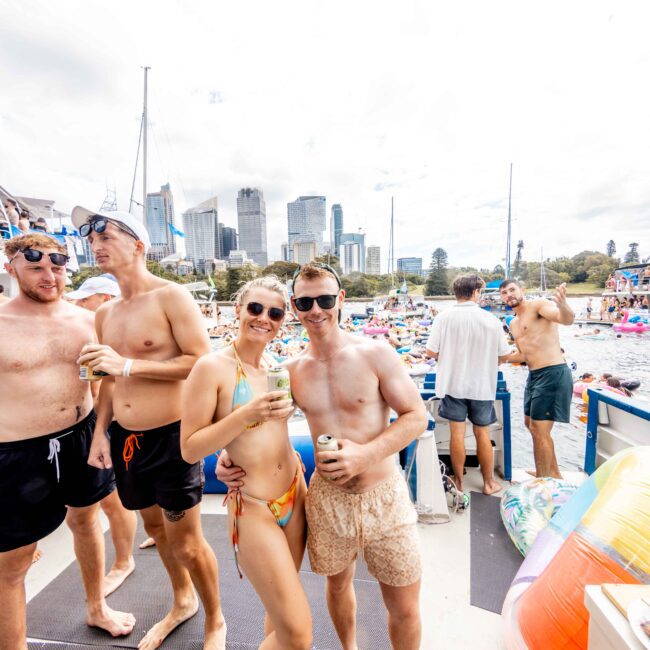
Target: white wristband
<point x="126" y="371"/>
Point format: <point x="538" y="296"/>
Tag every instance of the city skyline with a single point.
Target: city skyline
<point x="360" y="127"/>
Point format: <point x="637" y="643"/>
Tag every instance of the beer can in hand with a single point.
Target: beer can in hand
<point x="86" y="373"/>
<point x="278" y="379"/>
<point x="327" y="443"/>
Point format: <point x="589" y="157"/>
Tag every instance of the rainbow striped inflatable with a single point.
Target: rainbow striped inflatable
<point x="602" y="534"/>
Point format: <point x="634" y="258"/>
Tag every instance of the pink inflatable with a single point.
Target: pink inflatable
<point x="368" y="329"/>
<point x="625" y="326"/>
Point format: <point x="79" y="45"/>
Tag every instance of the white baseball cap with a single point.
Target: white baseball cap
<point x="81" y="215"/>
<point x="91" y="286"/>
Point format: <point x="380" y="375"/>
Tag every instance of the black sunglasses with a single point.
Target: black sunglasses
<point x="31" y="255"/>
<point x="256" y="309"/>
<point x="99" y="226"/>
<point x="307" y="302"/>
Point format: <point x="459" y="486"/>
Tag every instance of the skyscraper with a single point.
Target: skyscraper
<point x="350" y="257"/>
<point x="307" y="220"/>
<point x="229" y="238"/>
<point x="304" y="252"/>
<point x="360" y="239"/>
<point x="336" y="228"/>
<point x="160" y="214"/>
<point x="373" y="260"/>
<point x="251" y="222"/>
<point x="203" y="238"/>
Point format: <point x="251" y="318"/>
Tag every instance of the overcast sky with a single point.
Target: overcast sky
<point x="359" y="101"/>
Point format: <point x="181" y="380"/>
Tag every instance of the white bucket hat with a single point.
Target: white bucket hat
<point x="91" y="286"/>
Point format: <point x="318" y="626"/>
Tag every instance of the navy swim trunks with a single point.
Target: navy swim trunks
<point x="40" y="477"/>
<point x="548" y="393"/>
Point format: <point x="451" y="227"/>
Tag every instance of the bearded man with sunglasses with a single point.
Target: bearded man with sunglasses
<point x="346" y="386"/>
<point x="43" y="472"/>
<point x="150" y="338"/>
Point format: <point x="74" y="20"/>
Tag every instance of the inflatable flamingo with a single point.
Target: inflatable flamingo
<point x="626" y="326"/>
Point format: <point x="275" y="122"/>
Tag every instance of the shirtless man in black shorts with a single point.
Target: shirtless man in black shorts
<point x="547" y="398"/>
<point x="42" y="473"/>
<point x="150" y="338"/>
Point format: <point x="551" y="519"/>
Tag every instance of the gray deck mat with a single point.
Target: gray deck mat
<point x="494" y="558"/>
<point x="57" y="613"/>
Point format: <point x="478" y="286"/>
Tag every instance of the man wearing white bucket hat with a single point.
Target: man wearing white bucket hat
<point x="150" y="338"/>
<point x="94" y="292"/>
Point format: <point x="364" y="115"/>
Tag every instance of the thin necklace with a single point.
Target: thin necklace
<point x="345" y="345"/>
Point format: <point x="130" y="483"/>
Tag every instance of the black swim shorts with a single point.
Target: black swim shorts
<point x="479" y="412"/>
<point x="40" y="476"/>
<point x="149" y="469"/>
<point x="548" y="393"/>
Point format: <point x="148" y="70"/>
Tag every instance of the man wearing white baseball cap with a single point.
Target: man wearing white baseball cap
<point x="150" y="338"/>
<point x="94" y="292"/>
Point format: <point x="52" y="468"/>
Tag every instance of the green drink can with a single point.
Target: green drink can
<point x="278" y="379"/>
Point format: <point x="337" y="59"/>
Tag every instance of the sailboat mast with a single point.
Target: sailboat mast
<point x="509" y="226"/>
<point x="144" y="149"/>
<point x="391" y="247"/>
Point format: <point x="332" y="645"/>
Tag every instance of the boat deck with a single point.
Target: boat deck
<point x="449" y="621"/>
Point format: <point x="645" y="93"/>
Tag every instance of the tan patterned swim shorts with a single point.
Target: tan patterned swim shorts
<point x="381" y="521"/>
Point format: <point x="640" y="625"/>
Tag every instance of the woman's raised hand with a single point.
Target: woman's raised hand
<point x="269" y="406"/>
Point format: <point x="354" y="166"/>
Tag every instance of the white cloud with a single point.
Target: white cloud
<point x="428" y="102"/>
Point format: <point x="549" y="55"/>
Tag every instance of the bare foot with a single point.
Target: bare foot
<point x="457" y="483"/>
<point x="492" y="487"/>
<point x="532" y="472"/>
<point x="161" y="630"/>
<point x="38" y="554"/>
<point x="216" y="639"/>
<point x="150" y="541"/>
<point x="115" y="623"/>
<point x="115" y="577"/>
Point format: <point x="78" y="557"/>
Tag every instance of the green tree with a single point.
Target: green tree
<point x="632" y="256"/>
<point x="284" y="270"/>
<point x="517" y="268"/>
<point x="611" y="248"/>
<point x="437" y="282"/>
<point x="82" y="275"/>
<point x="332" y="260"/>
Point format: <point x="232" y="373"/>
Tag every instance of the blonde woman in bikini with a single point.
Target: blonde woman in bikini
<point x="227" y="405"/>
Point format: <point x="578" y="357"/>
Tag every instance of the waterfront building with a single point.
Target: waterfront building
<point x="160" y="215"/>
<point x="350" y="257"/>
<point x="304" y="252"/>
<point x="203" y="239"/>
<point x="237" y="259"/>
<point x="360" y="239"/>
<point x="251" y="222"/>
<point x="229" y="241"/>
<point x="306" y="219"/>
<point x="373" y="260"/>
<point x="336" y="229"/>
<point x="410" y="265"/>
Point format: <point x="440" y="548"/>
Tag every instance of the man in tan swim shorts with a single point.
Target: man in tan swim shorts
<point x="346" y="386"/>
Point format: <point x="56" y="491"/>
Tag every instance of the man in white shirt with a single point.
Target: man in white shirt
<point x="468" y="344"/>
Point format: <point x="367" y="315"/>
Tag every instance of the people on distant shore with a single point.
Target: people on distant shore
<point x="547" y="397"/>
<point x="468" y="344"/>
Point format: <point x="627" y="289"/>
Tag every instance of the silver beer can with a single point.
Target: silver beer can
<point x="278" y="379"/>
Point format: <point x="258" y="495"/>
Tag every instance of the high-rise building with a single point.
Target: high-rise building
<point x="160" y="215"/>
<point x="336" y="228"/>
<point x="307" y="220"/>
<point x="410" y="265"/>
<point x="251" y="222"/>
<point x="229" y="237"/>
<point x="237" y="259"/>
<point x="284" y="252"/>
<point x="360" y="239"/>
<point x="304" y="252"/>
<point x="373" y="260"/>
<point x="350" y="257"/>
<point x="203" y="239"/>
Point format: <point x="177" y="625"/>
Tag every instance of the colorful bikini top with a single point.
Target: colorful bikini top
<point x="243" y="392"/>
